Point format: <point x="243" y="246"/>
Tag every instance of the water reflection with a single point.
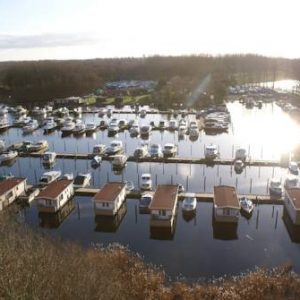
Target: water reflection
<point x="162" y="233"/>
<point x="293" y="230"/>
<point x="225" y="231"/>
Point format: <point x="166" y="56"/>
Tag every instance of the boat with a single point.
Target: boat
<point x="123" y="124"/>
<point x="275" y="187"/>
<point x="146" y="181"/>
<point x="103" y="124"/>
<point x="246" y="205"/>
<point x="134" y="129"/>
<point x="238" y="166"/>
<point x="79" y="128"/>
<point x="96" y="161"/>
<point x="241" y="154"/>
<point x="170" y="150"/>
<point x="68" y="176"/>
<point x="99" y="149"/>
<point x="82" y="180"/>
<point x="38" y="146"/>
<point x="90" y="127"/>
<point x="189" y="204"/>
<point x="193" y="130"/>
<point x="31" y="126"/>
<point x="180" y="188"/>
<point x="129" y="186"/>
<point x="49" y="177"/>
<point x="141" y="151"/>
<point x="173" y="125"/>
<point x="2" y="146"/>
<point x="50" y="125"/>
<point x="145" y="201"/>
<point x="145" y="130"/>
<point x="155" y="150"/>
<point x="143" y="113"/>
<point x="163" y="124"/>
<point x="114" y="147"/>
<point x="119" y="161"/>
<point x="68" y="126"/>
<point x="182" y="130"/>
<point x="49" y="158"/>
<point x="21" y="121"/>
<point x="291" y="181"/>
<point x="293" y="167"/>
<point x="102" y="112"/>
<point x="4" y="124"/>
<point x="211" y="151"/>
<point x="8" y="156"/>
<point x="113" y="128"/>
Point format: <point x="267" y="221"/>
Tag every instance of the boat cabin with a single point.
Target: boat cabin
<point x="226" y="204"/>
<point x="55" y="196"/>
<point x="11" y="189"/>
<point x="292" y="204"/>
<point x="163" y="206"/>
<point x="110" y="198"/>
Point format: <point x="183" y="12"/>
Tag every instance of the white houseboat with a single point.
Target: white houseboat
<point x="292" y="204"/>
<point x="110" y="198"/>
<point x="226" y="204"/>
<point x="163" y="206"/>
<point x="10" y="190"/>
<point x="55" y="196"/>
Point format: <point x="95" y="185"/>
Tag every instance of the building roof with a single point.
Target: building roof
<point x="294" y="195"/>
<point x="109" y="192"/>
<point x="225" y="196"/>
<point x="54" y="189"/>
<point x="165" y="197"/>
<point x="10" y="183"/>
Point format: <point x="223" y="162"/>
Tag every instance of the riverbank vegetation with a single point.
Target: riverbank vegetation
<point x="35" y="266"/>
<point x="178" y="77"/>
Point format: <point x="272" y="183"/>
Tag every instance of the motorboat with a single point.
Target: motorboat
<point x="102" y="112"/>
<point x="173" y="125"/>
<point x="68" y="176"/>
<point x="155" y="150"/>
<point x="68" y="126"/>
<point x="135" y="129"/>
<point x="79" y="128"/>
<point x="238" y="166"/>
<point x="49" y="158"/>
<point x="246" y="205"/>
<point x="123" y="124"/>
<point x="145" y="201"/>
<point x="291" y="181"/>
<point x="211" y="151"/>
<point x="141" y="151"/>
<point x="38" y="146"/>
<point x="129" y="186"/>
<point x="119" y="161"/>
<point x="99" y="149"/>
<point x="145" y="130"/>
<point x="163" y="124"/>
<point x="143" y="113"/>
<point x="8" y="156"/>
<point x="113" y="128"/>
<point x="90" y="127"/>
<point x="241" y="154"/>
<point x="293" y="167"/>
<point x="193" y="130"/>
<point x="146" y="181"/>
<point x="50" y="125"/>
<point x="275" y="187"/>
<point x="180" y="188"/>
<point x="82" y="180"/>
<point x="96" y="161"/>
<point x="103" y="124"/>
<point x="49" y="177"/>
<point x="114" y="147"/>
<point x="31" y="126"/>
<point x="21" y="121"/>
<point x="189" y="204"/>
<point x="170" y="150"/>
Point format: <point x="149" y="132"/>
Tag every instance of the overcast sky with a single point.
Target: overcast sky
<point x="68" y="29"/>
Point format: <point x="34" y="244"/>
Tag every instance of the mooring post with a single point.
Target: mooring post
<point x="276" y="219"/>
<point x="257" y="218"/>
<point x="267" y="185"/>
<point x="204" y="183"/>
<point x="250" y="185"/>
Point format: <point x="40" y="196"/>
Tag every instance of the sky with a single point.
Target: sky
<point x="83" y="29"/>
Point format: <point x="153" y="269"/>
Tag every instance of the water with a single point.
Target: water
<point x="197" y="247"/>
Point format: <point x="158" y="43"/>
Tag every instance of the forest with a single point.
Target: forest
<point x="39" y="81"/>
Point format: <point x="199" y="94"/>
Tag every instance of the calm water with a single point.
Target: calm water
<point x="197" y="247"/>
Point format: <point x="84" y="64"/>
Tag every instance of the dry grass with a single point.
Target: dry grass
<point x="33" y="266"/>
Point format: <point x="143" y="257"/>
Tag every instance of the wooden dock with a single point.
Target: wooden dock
<point x="201" y="197"/>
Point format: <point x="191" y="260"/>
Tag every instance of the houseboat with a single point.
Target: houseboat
<point x="11" y="189"/>
<point x="226" y="204"/>
<point x="292" y="204"/>
<point x="163" y="206"/>
<point x="49" y="177"/>
<point x="55" y="196"/>
<point x="110" y="198"/>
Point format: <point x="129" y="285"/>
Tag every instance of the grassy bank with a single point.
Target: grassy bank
<point x="34" y="266"/>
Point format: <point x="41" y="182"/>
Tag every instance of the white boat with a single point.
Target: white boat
<point x="170" y="149"/>
<point x="114" y="147"/>
<point x="189" y="204"/>
<point x="129" y="186"/>
<point x="68" y="126"/>
<point x="49" y="158"/>
<point x="141" y="151"/>
<point x="90" y="127"/>
<point x="21" y="121"/>
<point x="163" y="124"/>
<point x="275" y="187"/>
<point x="99" y="149"/>
<point x="193" y="130"/>
<point x="38" y="146"/>
<point x="79" y="127"/>
<point x="155" y="150"/>
<point x="68" y="176"/>
<point x="119" y="161"/>
<point x="293" y="167"/>
<point x="123" y="124"/>
<point x="180" y="188"/>
<point x="113" y="127"/>
<point x="145" y="201"/>
<point x="102" y="112"/>
<point x="103" y="124"/>
<point x="50" y="124"/>
<point x="238" y="166"/>
<point x="246" y="205"/>
<point x="291" y="181"/>
<point x="8" y="156"/>
<point x="182" y="130"/>
<point x="146" y="181"/>
<point x="145" y="130"/>
<point x="4" y="124"/>
<point x="2" y="146"/>
<point x="96" y="161"/>
<point x="173" y="124"/>
<point x="143" y="113"/>
<point x="211" y="151"/>
<point x="241" y="154"/>
<point x="20" y="110"/>
<point x="31" y="126"/>
<point x="135" y="129"/>
<point x="82" y="180"/>
<point x="49" y="177"/>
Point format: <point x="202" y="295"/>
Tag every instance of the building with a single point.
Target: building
<point x="163" y="206"/>
<point x="292" y="204"/>
<point x="55" y="196"/>
<point x="226" y="204"/>
<point x="11" y="189"/>
<point x="109" y="199"/>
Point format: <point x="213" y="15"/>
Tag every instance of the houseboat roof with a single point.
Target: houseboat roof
<point x="55" y="188"/>
<point x="165" y="197"/>
<point x="109" y="191"/>
<point x="10" y="183"/>
<point x="225" y="196"/>
<point x="294" y="195"/>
